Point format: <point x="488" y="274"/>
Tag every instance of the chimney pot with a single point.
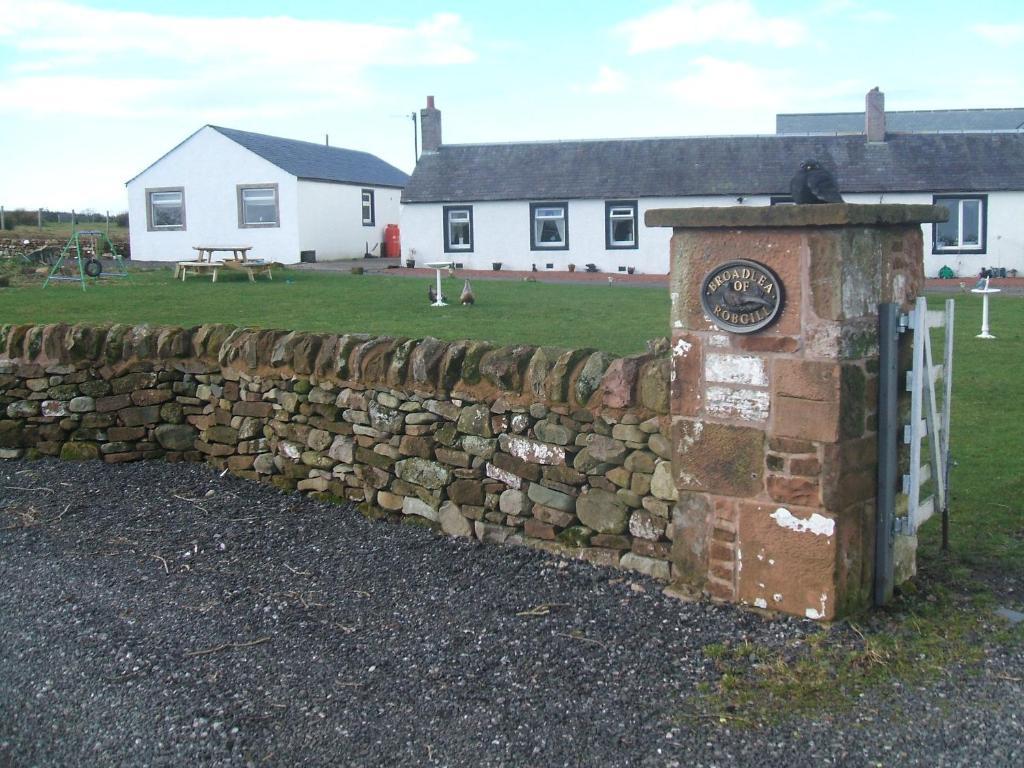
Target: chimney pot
<point x="874" y="115"/>
<point x="430" y="102"/>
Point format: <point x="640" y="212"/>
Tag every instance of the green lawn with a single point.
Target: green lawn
<point x="614" y="318"/>
<point x="987" y="438"/>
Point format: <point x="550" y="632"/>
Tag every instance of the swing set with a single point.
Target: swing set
<point x="84" y="248"/>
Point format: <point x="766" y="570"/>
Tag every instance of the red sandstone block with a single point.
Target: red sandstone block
<point x="721" y="550"/>
<point x="789" y="445"/>
<point x="151" y="396"/>
<point x="806" y="379"/>
<point x="722" y="569"/>
<point x="538" y="530"/>
<point x="808" y="467"/>
<point x="246" y="408"/>
<point x="239" y="463"/>
<point x="662" y="550"/>
<point x="119" y="434"/>
<point x="214" y="449"/>
<point x="755" y="343"/>
<point x="793" y="490"/>
<point x="718" y="458"/>
<point x="113" y="403"/>
<point x="610" y="541"/>
<point x="805" y="419"/>
<point x="118" y="458"/>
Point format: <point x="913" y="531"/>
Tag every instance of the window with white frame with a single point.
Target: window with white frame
<point x="964" y="231"/>
<point x="257" y="205"/>
<point x="549" y="226"/>
<point x="620" y="224"/>
<point x="458" y="228"/>
<point x="165" y="208"/>
<point x="368" y="214"/>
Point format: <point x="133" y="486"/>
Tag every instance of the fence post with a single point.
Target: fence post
<point x="40" y="219"/>
<point x="3" y="224"/>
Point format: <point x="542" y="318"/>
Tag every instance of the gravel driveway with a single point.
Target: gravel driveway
<point x="158" y="614"/>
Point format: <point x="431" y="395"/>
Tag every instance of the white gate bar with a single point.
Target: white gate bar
<point x="947" y="399"/>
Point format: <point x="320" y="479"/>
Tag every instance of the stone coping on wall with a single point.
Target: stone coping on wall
<point x="827" y="215"/>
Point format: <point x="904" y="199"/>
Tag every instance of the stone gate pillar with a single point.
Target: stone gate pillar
<point x="774" y="391"/>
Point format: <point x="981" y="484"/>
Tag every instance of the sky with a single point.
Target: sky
<point x="93" y="91"/>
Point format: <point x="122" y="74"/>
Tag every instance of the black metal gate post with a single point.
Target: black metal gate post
<point x="888" y="470"/>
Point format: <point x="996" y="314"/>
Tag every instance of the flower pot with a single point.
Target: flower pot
<point x="630" y="270"/>
<point x="496" y="266"/>
<point x="410" y="263"/>
<point x="572" y="267"/>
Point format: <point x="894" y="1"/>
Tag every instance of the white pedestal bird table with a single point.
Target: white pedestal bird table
<point x="438" y="266"/>
<point x="984" y="309"/>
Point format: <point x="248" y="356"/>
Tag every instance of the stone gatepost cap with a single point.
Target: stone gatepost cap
<point x="827" y="215"/>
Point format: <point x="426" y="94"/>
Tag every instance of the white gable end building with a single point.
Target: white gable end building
<point x="281" y="197"/>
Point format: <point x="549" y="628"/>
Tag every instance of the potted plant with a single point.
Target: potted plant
<point x="410" y="263"/>
<point x="630" y="270"/>
<point x="496" y="266"/>
<point x="572" y="267"/>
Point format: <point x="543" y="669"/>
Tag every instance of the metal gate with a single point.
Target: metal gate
<point x="901" y="508"/>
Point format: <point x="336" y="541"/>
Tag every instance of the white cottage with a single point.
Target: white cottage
<point x="283" y="197"/>
<point x="552" y="204"/>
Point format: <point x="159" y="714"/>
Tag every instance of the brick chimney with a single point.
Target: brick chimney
<point x="430" y="126"/>
<point x="874" y="115"/>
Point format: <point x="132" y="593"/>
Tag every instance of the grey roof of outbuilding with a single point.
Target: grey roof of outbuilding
<point x="716" y="165"/>
<point x="308" y="160"/>
<point x="925" y="120"/>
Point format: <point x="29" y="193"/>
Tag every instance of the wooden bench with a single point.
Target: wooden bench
<point x="182" y="268"/>
<point x="252" y="268"/>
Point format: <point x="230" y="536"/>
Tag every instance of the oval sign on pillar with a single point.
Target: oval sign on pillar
<point x="741" y="296"/>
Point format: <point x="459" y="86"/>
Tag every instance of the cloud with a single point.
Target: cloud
<point x="734" y="96"/>
<point x="695" y="22"/>
<point x="608" y="81"/>
<point x="1001" y="34"/>
<point x="219" y="62"/>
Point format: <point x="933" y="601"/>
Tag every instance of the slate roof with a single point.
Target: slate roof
<point x="925" y="120"/>
<point x="716" y="165"/>
<point x="308" y="160"/>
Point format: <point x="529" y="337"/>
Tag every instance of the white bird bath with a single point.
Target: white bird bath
<point x="984" y="309"/>
<point x="439" y="265"/>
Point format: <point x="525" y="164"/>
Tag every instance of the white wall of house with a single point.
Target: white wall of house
<point x="502" y="233"/>
<point x="208" y="166"/>
<point x="331" y="218"/>
<point x="1004" y="246"/>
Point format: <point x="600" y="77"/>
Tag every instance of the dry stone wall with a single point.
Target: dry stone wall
<point x="561" y="449"/>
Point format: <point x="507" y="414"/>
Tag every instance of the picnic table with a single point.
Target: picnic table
<point x="239" y="260"/>
<point x="238" y="252"/>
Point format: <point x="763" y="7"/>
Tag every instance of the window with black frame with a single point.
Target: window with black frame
<point x="620" y="224"/>
<point x="964" y="231"/>
<point x="368" y="212"/>
<point x="458" y="228"/>
<point x="549" y="226"/>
